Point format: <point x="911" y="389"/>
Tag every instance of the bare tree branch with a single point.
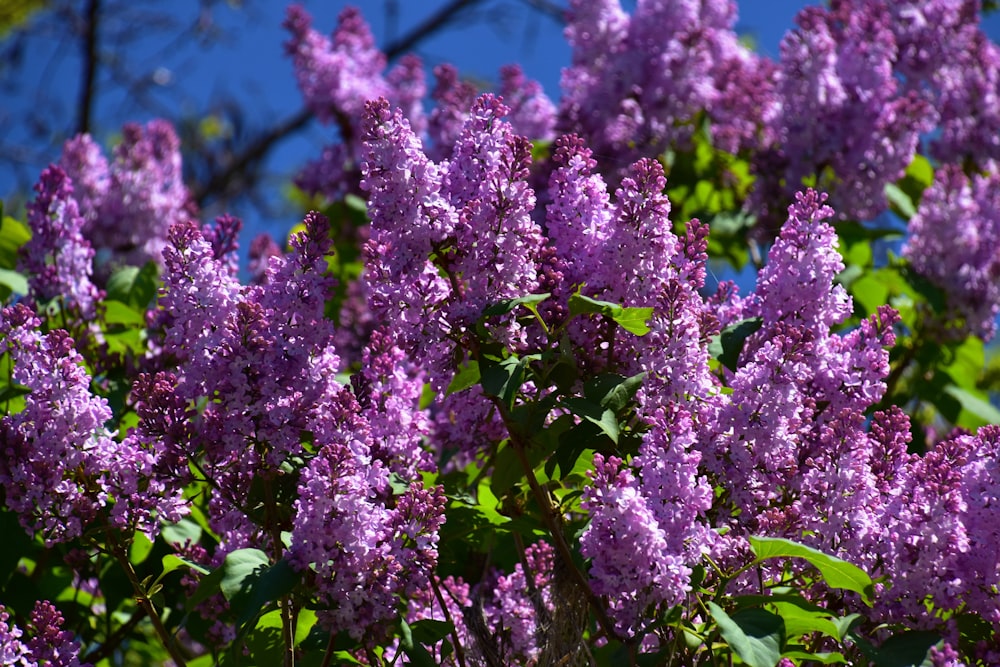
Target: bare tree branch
<point x="89" y="57"/>
<point x="257" y="150"/>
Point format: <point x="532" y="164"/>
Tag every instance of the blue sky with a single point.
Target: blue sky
<point x="250" y="68"/>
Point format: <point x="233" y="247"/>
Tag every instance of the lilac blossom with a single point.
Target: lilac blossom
<point x="410" y="217"/>
<point x="129" y="204"/>
<point x="453" y="98"/>
<point x="955" y="243"/>
<point x="578" y="217"/>
<point x="532" y="114"/>
<point x="496" y="242"/>
<point x="58" y="259"/>
<point x="844" y="118"/>
<point x="49" y="646"/>
<point x="13" y="651"/>
<point x="519" y="603"/>
<point x="631" y="559"/>
<point x="361" y="553"/>
<point x="337" y="76"/>
<point x="264" y="354"/>
<point x="969" y="84"/>
<point x="637" y="83"/>
<point x="61" y="466"/>
<point x="389" y="390"/>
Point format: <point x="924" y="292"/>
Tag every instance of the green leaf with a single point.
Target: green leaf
<point x="17" y="283"/>
<point x="908" y="649"/>
<point x="116" y="312"/>
<point x="265" y="641"/>
<point x="831" y="658"/>
<point x="13" y="235"/>
<point x="249" y="583"/>
<point x="613" y="391"/>
<point x="726" y="345"/>
<point x="983" y="411"/>
<point x="757" y="636"/>
<point x="415" y="651"/>
<point x="602" y="417"/>
<point x="503" y="378"/>
<point x="134" y="286"/>
<point x="507" y="471"/>
<point x="836" y="572"/>
<point x="467" y="376"/>
<point x="631" y="319"/>
<point x="503" y="307"/>
<point x="185" y="530"/>
<point x="899" y="201"/>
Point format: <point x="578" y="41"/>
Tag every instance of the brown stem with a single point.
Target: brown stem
<point x="89" y="74"/>
<point x="285" y="603"/>
<point x="553" y="524"/>
<point x="459" y="650"/>
<point x="114" y="640"/>
<point x="142" y="599"/>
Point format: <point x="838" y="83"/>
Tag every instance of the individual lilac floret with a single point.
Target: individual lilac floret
<point x="61" y="467"/>
<point x="130" y="204"/>
<point x="955" y="242"/>
<point x="631" y="560"/>
<point x="843" y="116"/>
<point x="58" y="260"/>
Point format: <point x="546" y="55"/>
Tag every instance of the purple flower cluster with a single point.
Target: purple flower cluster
<point x="361" y="553"/>
<point x="955" y="243"/>
<point x="471" y="213"/>
<point x="337" y="75"/>
<point x="634" y="561"/>
<point x="637" y="84"/>
<point x="129" y="204"/>
<point x="60" y="466"/>
<point x="49" y="646"/>
<point x="844" y="119"/>
<point x="58" y="259"/>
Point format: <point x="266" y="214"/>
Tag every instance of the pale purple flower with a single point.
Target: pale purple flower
<point x="337" y="77"/>
<point x="631" y="560"/>
<point x="388" y="390"/>
<point x="955" y="243"/>
<point x="58" y="260"/>
<point x="532" y="114"/>
<point x="636" y="84"/>
<point x="129" y="204"/>
<point x="496" y="243"/>
<point x="843" y="116"/>
<point x="61" y="467"/>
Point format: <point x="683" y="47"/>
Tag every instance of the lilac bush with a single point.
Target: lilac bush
<point x="528" y="425"/>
